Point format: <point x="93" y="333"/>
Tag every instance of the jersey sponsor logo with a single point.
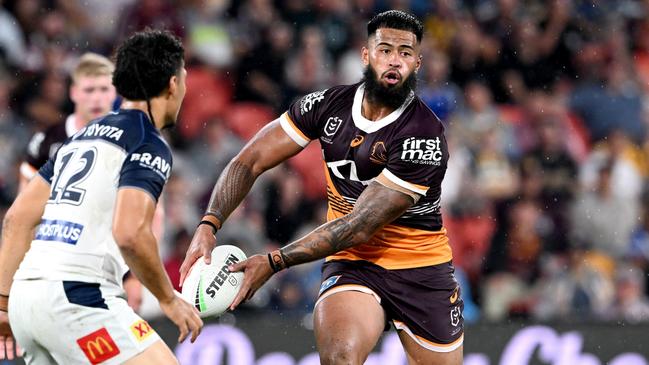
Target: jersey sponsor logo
<point x="60" y="231"/>
<point x="455" y="295"/>
<point x="155" y="163"/>
<point x="346" y="170"/>
<point x="98" y="346"/>
<point x="379" y="154"/>
<point x="222" y="276"/>
<point x="98" y="130"/>
<point x="456" y="315"/>
<point x="328" y="283"/>
<point x="141" y="329"/>
<point x="425" y="151"/>
<point x="357" y="141"/>
<point x="307" y="102"/>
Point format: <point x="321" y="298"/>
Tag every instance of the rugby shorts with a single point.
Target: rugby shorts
<point x="423" y="302"/>
<point x="71" y="322"/>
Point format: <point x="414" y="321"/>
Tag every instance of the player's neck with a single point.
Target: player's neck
<point x="156" y="110"/>
<point x="79" y="121"/>
<point x="374" y="111"/>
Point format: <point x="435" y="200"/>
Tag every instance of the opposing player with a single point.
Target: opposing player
<point x="93" y="95"/>
<point x="97" y="195"/>
<point x="388" y="256"/>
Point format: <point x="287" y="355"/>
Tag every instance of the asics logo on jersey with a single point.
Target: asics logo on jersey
<point x="59" y="230"/>
<point x="155" y="163"/>
<point x="97" y="130"/>
<point x="425" y="151"/>
<point x="307" y="102"/>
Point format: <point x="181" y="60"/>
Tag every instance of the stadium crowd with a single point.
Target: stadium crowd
<point x="545" y="103"/>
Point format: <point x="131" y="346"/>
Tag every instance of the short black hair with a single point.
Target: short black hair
<point x="396" y="19"/>
<point x="145" y="62"/>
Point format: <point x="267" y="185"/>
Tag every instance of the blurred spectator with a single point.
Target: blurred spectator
<point x="12" y="40"/>
<point x="602" y="220"/>
<point x="262" y="79"/>
<point x="631" y="304"/>
<point x="441" y="95"/>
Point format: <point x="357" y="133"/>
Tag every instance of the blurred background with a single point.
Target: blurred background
<point x="545" y="103"/>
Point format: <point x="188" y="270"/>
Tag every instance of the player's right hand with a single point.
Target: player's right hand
<point x="184" y="315"/>
<point x="7" y="342"/>
<point x="202" y="244"/>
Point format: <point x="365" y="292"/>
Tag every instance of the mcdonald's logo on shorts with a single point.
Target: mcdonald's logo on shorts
<point x="98" y="346"/>
<point x="141" y="330"/>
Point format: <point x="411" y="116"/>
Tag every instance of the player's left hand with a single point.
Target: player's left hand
<point x="257" y="271"/>
<point x="7" y="342"/>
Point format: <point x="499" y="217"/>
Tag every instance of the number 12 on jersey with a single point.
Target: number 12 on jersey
<point x="74" y="166"/>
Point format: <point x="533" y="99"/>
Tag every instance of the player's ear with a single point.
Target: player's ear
<point x="365" y="56"/>
<point x="419" y="59"/>
<point x="173" y="86"/>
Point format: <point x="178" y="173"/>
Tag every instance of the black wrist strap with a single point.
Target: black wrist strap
<point x="206" y="222"/>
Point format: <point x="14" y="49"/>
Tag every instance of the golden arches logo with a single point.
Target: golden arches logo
<point x="98" y="345"/>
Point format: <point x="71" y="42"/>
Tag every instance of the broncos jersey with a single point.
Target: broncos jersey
<point x="405" y="151"/>
<point x="74" y="240"/>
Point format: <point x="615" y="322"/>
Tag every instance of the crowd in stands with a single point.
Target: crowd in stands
<point x="545" y="103"/>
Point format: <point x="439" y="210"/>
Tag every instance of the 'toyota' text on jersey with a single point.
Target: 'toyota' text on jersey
<point x="74" y="240"/>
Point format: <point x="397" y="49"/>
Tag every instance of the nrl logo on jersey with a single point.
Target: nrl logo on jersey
<point x="307" y="102"/>
<point x="424" y="151"/>
<point x="330" y="129"/>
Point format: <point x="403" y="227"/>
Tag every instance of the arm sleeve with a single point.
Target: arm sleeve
<point x="415" y="164"/>
<point x="47" y="170"/>
<point x="147" y="168"/>
<point x="302" y="119"/>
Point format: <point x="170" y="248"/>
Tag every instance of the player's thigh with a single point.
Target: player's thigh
<point x="418" y="354"/>
<point x="158" y="353"/>
<point x="348" y="325"/>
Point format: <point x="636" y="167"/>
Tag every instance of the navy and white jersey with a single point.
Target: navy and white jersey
<point x="74" y="240"/>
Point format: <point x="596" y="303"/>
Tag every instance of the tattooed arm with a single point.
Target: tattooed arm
<point x="269" y="147"/>
<point x="376" y="206"/>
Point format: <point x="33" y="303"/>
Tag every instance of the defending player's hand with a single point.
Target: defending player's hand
<point x="257" y="271"/>
<point x="202" y="244"/>
<point x="184" y="315"/>
<point x="7" y="342"/>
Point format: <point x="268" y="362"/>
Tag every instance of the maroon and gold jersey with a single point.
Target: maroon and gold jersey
<point x="405" y="151"/>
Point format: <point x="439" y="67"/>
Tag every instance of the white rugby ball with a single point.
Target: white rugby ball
<point x="212" y="288"/>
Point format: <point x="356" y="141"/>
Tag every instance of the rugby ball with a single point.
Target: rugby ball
<point x="212" y="288"/>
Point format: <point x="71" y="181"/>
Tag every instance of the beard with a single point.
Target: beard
<point x="392" y="96"/>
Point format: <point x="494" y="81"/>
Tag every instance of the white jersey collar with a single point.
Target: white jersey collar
<point x="370" y="126"/>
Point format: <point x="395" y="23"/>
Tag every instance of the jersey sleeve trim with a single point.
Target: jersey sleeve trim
<point x="294" y="132"/>
<point x="155" y="200"/>
<point x="419" y="189"/>
<point x="27" y="170"/>
<point x="381" y="179"/>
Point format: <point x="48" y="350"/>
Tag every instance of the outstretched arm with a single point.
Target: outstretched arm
<point x="270" y="146"/>
<point x="377" y="206"/>
<point x="17" y="233"/>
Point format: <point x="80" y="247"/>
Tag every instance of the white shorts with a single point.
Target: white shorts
<point x="75" y="323"/>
